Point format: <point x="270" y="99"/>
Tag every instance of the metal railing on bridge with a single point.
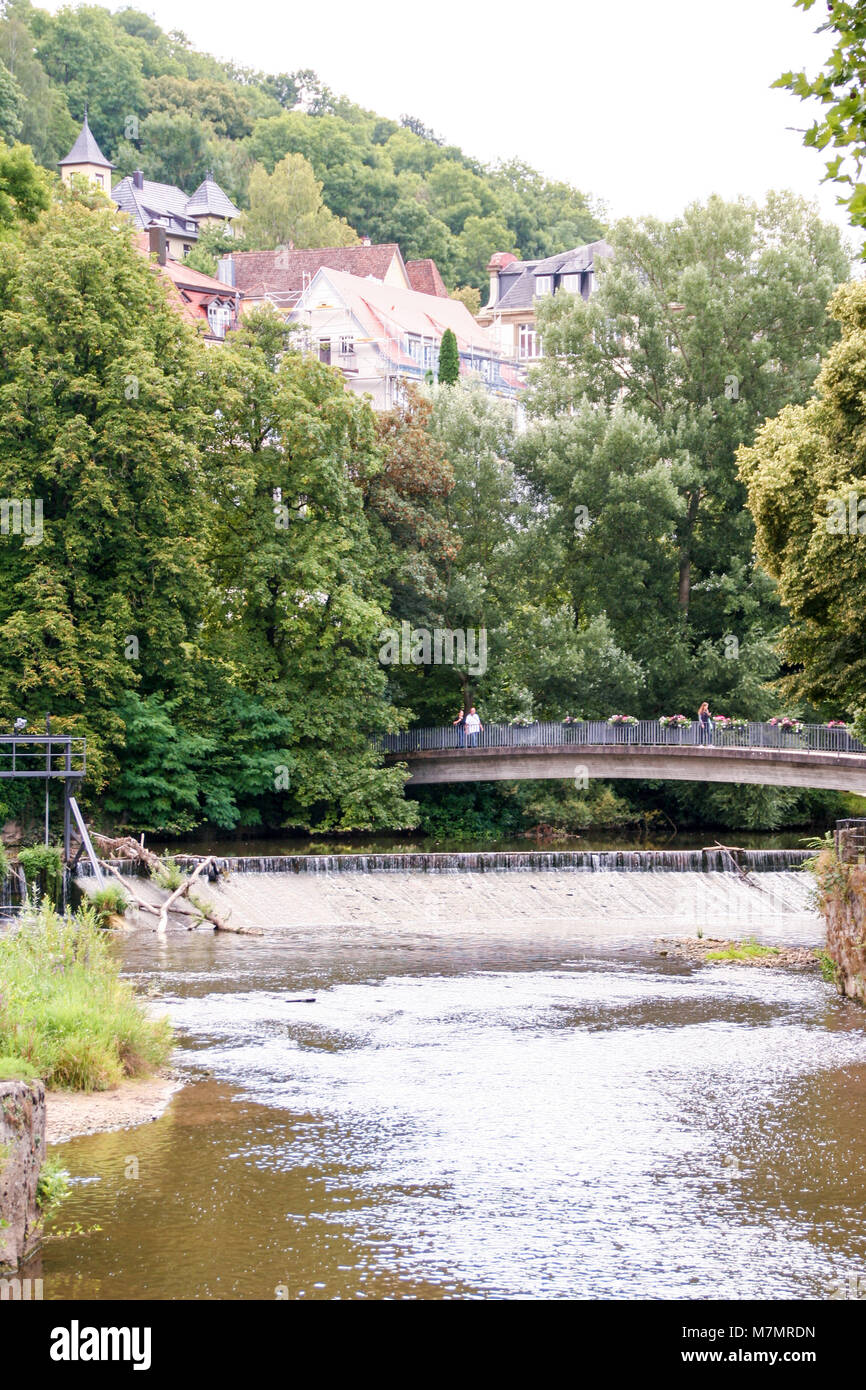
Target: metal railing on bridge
<point x="816" y="738"/>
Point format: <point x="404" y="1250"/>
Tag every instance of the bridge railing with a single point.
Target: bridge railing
<point x="816" y="738"/>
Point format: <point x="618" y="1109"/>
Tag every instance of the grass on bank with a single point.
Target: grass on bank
<point x="108" y="902"/>
<point x="743" y="950"/>
<point x="65" y="1013"/>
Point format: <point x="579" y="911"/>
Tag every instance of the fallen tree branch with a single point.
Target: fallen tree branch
<point x="747" y="878"/>
<point x="179" y="893"/>
<point x="125" y="847"/>
<point x="148" y="907"/>
<point x="204" y="913"/>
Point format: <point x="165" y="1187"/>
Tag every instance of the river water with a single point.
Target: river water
<point x="501" y="1089"/>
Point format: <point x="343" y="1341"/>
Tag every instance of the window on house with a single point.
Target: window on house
<point x="529" y="342"/>
<point x="543" y="285"/>
<point x="186" y="249"/>
<point x="413" y="347"/>
<point x="219" y="317"/>
<point x="325" y="350"/>
<point x="347" y="345"/>
<point x="571" y="284"/>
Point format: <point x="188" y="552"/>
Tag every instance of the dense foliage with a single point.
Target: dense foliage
<point x="227" y="541"/>
<point x="806" y="475"/>
<point x="201" y="596"/>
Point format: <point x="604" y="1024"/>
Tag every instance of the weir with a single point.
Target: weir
<point x="585" y="897"/>
<point x="645" y="861"/>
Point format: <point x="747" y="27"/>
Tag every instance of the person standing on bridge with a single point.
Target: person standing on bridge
<point x="705" y="720"/>
<point x="460" y="724"/>
<point x="473" y="727"/>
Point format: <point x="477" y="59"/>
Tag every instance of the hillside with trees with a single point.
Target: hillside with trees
<point x="156" y="104"/>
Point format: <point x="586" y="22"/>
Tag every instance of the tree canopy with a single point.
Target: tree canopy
<point x="806" y="480"/>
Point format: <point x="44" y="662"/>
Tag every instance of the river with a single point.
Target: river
<point x="501" y="1090"/>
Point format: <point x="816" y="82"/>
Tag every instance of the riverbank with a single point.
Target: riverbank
<point x="73" y="1114"/>
<point x="714" y="950"/>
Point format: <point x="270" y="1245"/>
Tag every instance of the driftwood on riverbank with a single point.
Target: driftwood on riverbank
<point x="197" y="908"/>
<point x="126" y="847"/>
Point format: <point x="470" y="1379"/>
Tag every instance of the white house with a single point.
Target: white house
<point x="380" y="334"/>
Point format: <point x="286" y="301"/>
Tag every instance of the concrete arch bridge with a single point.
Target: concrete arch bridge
<point x="814" y="755"/>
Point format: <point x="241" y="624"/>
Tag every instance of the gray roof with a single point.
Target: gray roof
<point x="209" y="198"/>
<point x="170" y="206"/>
<point x="155" y="202"/>
<point x="518" y="289"/>
<point x="86" y="151"/>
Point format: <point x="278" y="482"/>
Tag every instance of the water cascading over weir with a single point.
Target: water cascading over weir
<point x="585" y="895"/>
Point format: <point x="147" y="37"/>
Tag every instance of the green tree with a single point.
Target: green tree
<point x="286" y="207"/>
<point x="479" y="239"/>
<point x="296" y="606"/>
<point x="704" y="326"/>
<point x="99" y="389"/>
<point x="23" y="187"/>
<point x="11" y="102"/>
<point x="840" y="91"/>
<point x="46" y="124"/>
<point x="222" y="106"/>
<point x="213" y="243"/>
<point x="96" y="64"/>
<point x="174" y="148"/>
<point x="449" y="359"/>
<point x="405" y="497"/>
<point x="806" y="476"/>
<point x="470" y="296"/>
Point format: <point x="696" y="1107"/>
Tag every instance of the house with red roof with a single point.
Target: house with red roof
<point x="382" y="334"/>
<point x="280" y="277"/>
<point x="211" y="306"/>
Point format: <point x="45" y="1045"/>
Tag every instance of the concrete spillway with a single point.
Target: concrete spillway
<point x="627" y="895"/>
<point x="774" y="906"/>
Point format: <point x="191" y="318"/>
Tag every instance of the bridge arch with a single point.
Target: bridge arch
<point x="816" y="756"/>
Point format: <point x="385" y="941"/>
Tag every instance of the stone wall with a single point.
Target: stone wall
<point x="845" y="915"/>
<point x="22" y="1153"/>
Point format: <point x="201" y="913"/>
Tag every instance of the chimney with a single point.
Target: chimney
<point x="365" y="241"/>
<point x="138" y="179"/>
<point x="156" y="239"/>
<point x="498" y="262"/>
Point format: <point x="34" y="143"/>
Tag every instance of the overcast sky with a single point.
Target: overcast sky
<point x="643" y="104"/>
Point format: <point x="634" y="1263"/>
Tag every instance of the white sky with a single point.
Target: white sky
<point x="643" y="104"/>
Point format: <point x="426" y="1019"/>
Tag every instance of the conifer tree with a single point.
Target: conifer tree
<point x="449" y="359"/>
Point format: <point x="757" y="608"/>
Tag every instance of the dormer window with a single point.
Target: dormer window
<point x="219" y="317"/>
<point x="543" y="285"/>
<point x="571" y="284"/>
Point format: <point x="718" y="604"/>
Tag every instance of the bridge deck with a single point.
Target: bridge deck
<point x="816" y="756"/>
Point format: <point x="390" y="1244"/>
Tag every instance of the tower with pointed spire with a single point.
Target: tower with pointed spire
<point x="86" y="158"/>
